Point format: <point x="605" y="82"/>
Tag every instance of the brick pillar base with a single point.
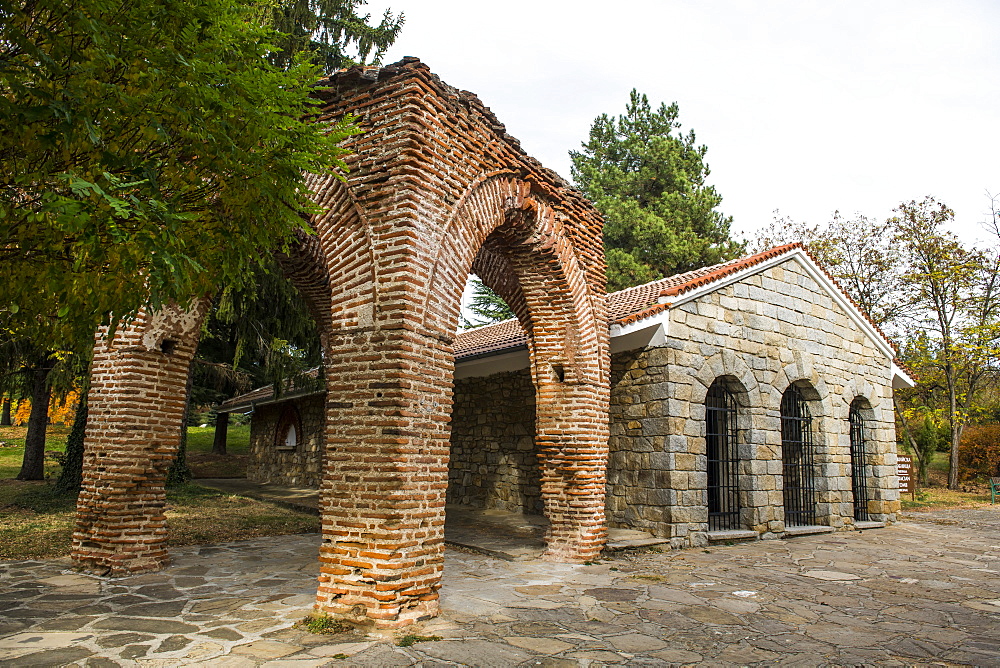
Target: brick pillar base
<point x="571" y="432"/>
<point x="136" y="407"/>
<point x="385" y="477"/>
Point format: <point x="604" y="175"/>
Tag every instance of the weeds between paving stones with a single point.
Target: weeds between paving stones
<point x="323" y="623"/>
<point x="413" y="639"/>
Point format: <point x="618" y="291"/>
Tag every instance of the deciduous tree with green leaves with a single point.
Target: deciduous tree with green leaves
<point x="956" y="293"/>
<point x="649" y="180"/>
<point x="150" y="153"/>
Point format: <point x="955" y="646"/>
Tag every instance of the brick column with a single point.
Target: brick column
<point x="572" y="440"/>
<point x="385" y="476"/>
<point x="136" y="407"/>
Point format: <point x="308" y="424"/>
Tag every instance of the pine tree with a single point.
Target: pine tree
<point x="648" y="179"/>
<point x="486" y="305"/>
<point x="331" y="33"/>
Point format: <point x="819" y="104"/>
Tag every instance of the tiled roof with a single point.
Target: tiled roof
<point x="643" y="301"/>
<point x="265" y="393"/>
<point x="701" y="277"/>
<point x="628" y="302"/>
<point x="486" y="339"/>
<point x="624" y="307"/>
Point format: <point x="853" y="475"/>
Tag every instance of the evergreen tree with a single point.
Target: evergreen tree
<point x="648" y="179"/>
<point x="256" y="334"/>
<point x="486" y="305"/>
<point x="330" y="33"/>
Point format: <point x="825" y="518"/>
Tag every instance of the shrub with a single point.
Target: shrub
<point x="979" y="452"/>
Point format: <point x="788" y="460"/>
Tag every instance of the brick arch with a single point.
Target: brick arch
<point x="529" y="259"/>
<point x="435" y="187"/>
<point x="340" y="254"/>
<point x="445" y="190"/>
<point x="494" y="269"/>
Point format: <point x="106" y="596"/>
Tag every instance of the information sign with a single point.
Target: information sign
<point x="904" y="471"/>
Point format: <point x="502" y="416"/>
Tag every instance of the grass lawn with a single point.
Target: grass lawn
<point x="36" y="523"/>
<point x="237" y="439"/>
<point x="936" y="495"/>
<point x="204" y="464"/>
<point x="12" y="449"/>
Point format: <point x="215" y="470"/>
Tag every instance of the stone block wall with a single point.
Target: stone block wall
<point x="273" y="463"/>
<point x="762" y="334"/>
<point x="494" y="462"/>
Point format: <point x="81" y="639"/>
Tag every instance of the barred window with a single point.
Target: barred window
<point x="723" y="458"/>
<point x="797" y="459"/>
<point x="859" y="455"/>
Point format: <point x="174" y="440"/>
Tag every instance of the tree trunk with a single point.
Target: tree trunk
<point x="956" y="439"/>
<point x="914" y="448"/>
<point x="179" y="472"/>
<point x="33" y="465"/>
<point x="5" y="414"/>
<point x="956" y="431"/>
<point x="221" y="431"/>
<point x="72" y="472"/>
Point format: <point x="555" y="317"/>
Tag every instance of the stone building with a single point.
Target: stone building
<point x="748" y="399"/>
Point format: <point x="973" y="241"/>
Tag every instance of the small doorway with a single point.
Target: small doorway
<point x="721" y="448"/>
<point x="797" y="459"/>
<point x="859" y="457"/>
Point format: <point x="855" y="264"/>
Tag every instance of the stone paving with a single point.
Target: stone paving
<point x="926" y="591"/>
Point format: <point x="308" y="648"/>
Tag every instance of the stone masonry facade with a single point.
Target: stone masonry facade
<point x="759" y="336"/>
<point x="494" y="462"/>
<point x="271" y="461"/>
<point x="762" y="334"/>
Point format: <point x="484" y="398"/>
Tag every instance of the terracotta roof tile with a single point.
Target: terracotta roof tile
<point x="624" y="307"/>
<point x="486" y="339"/>
<point x="719" y="271"/>
<point x="260" y="394"/>
<point x="643" y="301"/>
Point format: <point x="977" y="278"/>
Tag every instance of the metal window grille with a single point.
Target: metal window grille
<point x="859" y="481"/>
<point x="797" y="459"/>
<point x="723" y="459"/>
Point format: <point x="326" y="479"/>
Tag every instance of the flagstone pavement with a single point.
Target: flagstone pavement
<point x="925" y="591"/>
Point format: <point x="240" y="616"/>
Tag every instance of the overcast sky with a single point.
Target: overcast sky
<point x="805" y="106"/>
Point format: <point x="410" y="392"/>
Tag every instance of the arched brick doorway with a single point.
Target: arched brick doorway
<point x="436" y="189"/>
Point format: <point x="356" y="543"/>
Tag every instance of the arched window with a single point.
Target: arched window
<point x="289" y="432"/>
<point x="859" y="446"/>
<point x="797" y="459"/>
<point x="723" y="458"/>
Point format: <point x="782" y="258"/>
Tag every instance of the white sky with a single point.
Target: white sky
<point x="806" y="106"/>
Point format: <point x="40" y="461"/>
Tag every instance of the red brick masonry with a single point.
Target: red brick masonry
<point x="436" y="189"/>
